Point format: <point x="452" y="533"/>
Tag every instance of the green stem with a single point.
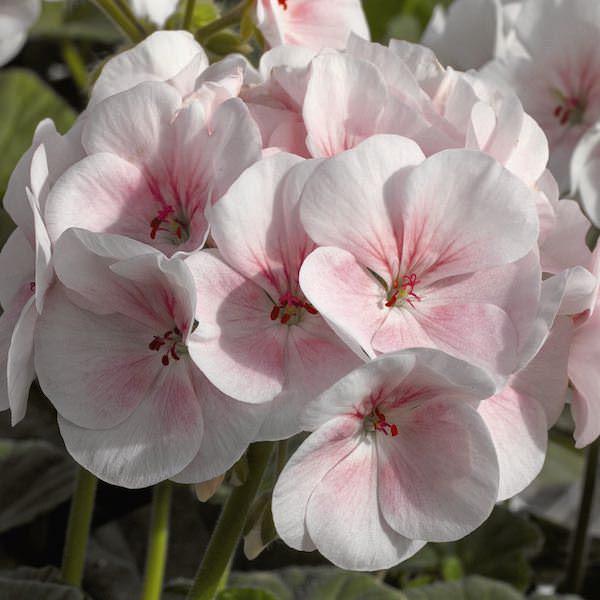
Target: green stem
<point x="282" y="455"/>
<point x="189" y="14"/>
<point x="158" y="541"/>
<point x="123" y="5"/>
<point x="78" y="527"/>
<point x="229" y="18"/>
<point x="224" y="577"/>
<point x="229" y="528"/>
<point x="131" y="28"/>
<point x="75" y="64"/>
<point x="577" y="559"/>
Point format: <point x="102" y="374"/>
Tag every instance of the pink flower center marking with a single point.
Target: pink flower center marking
<point x="171" y="344"/>
<point x="290" y="308"/>
<point x="376" y="421"/>
<point x="175" y="228"/>
<point x="570" y="110"/>
<point x="402" y="291"/>
<point x="283" y="4"/>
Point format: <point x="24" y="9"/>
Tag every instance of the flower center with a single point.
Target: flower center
<point x="570" y="110"/>
<point x="170" y="343"/>
<point x="175" y="228"/>
<point x="402" y="291"/>
<point x="376" y="421"/>
<point x="283" y="4"/>
<point x="290" y="308"/>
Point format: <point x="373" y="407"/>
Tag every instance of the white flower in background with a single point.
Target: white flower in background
<point x="156" y="10"/>
<point x="471" y="32"/>
<point x="16" y="17"/>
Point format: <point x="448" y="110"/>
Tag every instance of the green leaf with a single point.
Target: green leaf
<point x="471" y="588"/>
<point x="226" y="42"/>
<point x="317" y="583"/>
<point x="36" y="478"/>
<point x="204" y="13"/>
<point x="245" y="594"/>
<point x="77" y="21"/>
<point x="26" y="583"/>
<point x="501" y="548"/>
<point x="24" y="101"/>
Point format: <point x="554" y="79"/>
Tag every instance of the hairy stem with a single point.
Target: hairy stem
<point x="229" y="18"/>
<point x="158" y="541"/>
<point x="78" y="527"/>
<point x="577" y="559"/>
<point x="189" y="13"/>
<point x="125" y="20"/>
<point x="229" y="528"/>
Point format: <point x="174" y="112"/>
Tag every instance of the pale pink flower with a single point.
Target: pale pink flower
<point x="153" y="168"/>
<point x="518" y="416"/>
<point x="553" y="64"/>
<point x="25" y="260"/>
<point x="401" y="90"/>
<point x="432" y="255"/>
<point x="584" y="358"/>
<point x="275" y="102"/>
<point x="398" y="454"/>
<point x="311" y="23"/>
<point x="258" y="338"/>
<point x="111" y="353"/>
<point x="160" y="57"/>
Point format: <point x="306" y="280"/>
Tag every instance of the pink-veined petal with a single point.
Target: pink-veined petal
<point x="95" y="369"/>
<point x="236" y="344"/>
<point x="354" y="93"/>
<point x="156" y="441"/>
<point x="303" y="472"/>
<point x="438" y="479"/>
<point x="344" y="516"/>
<point x="343" y="203"/>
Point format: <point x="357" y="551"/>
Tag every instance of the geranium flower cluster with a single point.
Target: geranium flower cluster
<point x="356" y="243"/>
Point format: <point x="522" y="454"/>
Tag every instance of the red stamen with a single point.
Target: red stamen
<point x="32" y="286"/>
<point x="171" y="339"/>
<point x="289" y="307"/>
<point x="392" y="300"/>
<point x="394" y="429"/>
<point x="310" y="308"/>
<point x="283" y="4"/>
<point x="165" y="221"/>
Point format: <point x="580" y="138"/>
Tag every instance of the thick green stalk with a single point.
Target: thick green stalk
<point x="229" y="18"/>
<point x="158" y="541"/>
<point x="131" y="28"/>
<point x="229" y="528"/>
<point x="577" y="559"/>
<point x="189" y="14"/>
<point x="78" y="527"/>
<point x="75" y="64"/>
